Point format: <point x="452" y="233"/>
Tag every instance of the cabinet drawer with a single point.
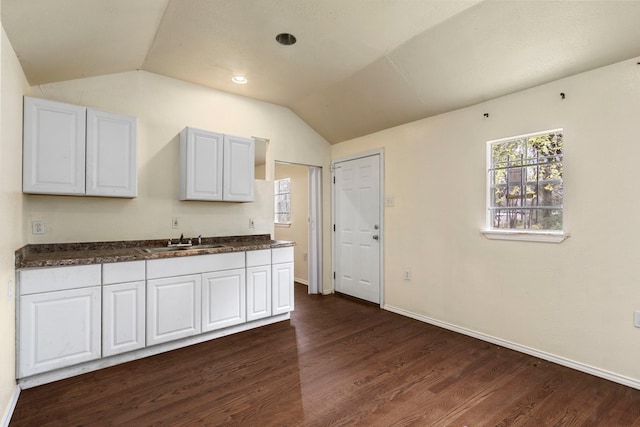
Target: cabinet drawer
<point x="280" y="255"/>
<point x="120" y="272"/>
<point x="256" y="258"/>
<point x="58" y="278"/>
<point x="168" y="267"/>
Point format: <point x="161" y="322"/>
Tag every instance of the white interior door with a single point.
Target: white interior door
<point x="357" y="227"/>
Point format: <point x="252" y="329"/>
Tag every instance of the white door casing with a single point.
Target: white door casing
<point x="358" y="227"/>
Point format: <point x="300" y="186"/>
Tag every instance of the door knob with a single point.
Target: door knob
<point x="375" y="237"/>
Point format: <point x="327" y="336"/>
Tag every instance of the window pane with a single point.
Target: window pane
<point x="525" y="182"/>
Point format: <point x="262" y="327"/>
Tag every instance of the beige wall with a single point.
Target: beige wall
<point x="298" y="231"/>
<point x="13" y="85"/>
<point x="164" y="107"/>
<point x="574" y="300"/>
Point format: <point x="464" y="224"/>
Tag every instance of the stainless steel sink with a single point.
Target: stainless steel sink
<point x="179" y="248"/>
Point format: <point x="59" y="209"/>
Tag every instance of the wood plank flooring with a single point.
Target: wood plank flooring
<point x="339" y="362"/>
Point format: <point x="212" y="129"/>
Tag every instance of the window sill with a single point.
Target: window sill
<point x="526" y="236"/>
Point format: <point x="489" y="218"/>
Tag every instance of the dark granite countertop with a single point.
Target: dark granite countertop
<point x="60" y="254"/>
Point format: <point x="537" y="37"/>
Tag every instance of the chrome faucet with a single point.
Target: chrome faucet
<point x="180" y="242"/>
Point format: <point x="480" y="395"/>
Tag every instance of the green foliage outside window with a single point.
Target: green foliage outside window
<point x="526" y="182"/>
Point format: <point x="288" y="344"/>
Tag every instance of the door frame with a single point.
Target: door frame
<point x="315" y="216"/>
<point x="380" y="153"/>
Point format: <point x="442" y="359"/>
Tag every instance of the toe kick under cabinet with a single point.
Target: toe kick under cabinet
<point x="103" y="314"/>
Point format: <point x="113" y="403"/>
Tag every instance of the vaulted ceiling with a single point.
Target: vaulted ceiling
<point x="359" y="66"/>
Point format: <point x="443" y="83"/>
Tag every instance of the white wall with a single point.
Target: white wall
<point x="13" y="85"/>
<point x="298" y="231"/>
<point x="163" y="107"/>
<point x="574" y="300"/>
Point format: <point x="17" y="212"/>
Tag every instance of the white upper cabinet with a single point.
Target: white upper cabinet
<point x="54" y="147"/>
<point x="111" y="155"/>
<point x="216" y="167"/>
<point x="200" y="165"/>
<point x="239" y="169"/>
<point x="73" y="150"/>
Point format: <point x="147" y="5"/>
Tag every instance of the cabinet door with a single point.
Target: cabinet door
<point x="58" y="329"/>
<point x="258" y="292"/>
<point x="282" y="288"/>
<point x="111" y="155"/>
<point x="53" y="147"/>
<point x="223" y="299"/>
<point x="123" y="317"/>
<point x="173" y="308"/>
<point x="239" y="169"/>
<point x="201" y="162"/>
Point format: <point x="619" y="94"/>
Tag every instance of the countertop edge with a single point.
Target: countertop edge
<point x="33" y="256"/>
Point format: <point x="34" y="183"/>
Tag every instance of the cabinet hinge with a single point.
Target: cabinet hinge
<point x="334" y="228"/>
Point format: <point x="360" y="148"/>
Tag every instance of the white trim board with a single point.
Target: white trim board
<point x="578" y="366"/>
<point x="303" y="282"/>
<point x="11" y="407"/>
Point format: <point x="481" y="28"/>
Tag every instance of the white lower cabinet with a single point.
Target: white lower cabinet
<point x="282" y="284"/>
<point x="258" y="284"/>
<point x="223" y="299"/>
<point x="258" y="292"/>
<point x="73" y="314"/>
<point x="123" y="317"/>
<point x="58" y="329"/>
<point x="173" y="308"/>
<point x="282" y="281"/>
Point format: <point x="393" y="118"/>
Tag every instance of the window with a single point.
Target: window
<point x="525" y="184"/>
<point x="282" y="201"/>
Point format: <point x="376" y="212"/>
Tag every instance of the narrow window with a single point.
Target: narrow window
<point x="282" y="201"/>
<point x="525" y="191"/>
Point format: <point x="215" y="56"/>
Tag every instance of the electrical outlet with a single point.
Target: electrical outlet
<point x="389" y="201"/>
<point x="406" y="274"/>
<point x="252" y="223"/>
<point x="636" y="318"/>
<point x="175" y="223"/>
<point x="37" y="227"/>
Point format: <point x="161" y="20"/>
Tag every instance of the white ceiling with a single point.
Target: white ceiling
<point x="359" y="66"/>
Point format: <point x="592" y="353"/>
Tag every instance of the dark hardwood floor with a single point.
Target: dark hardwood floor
<point x="338" y="361"/>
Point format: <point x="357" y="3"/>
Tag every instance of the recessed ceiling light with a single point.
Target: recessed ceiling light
<point x="286" y="39"/>
<point x="241" y="80"/>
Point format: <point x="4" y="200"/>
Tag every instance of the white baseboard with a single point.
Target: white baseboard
<point x="304" y="282"/>
<point x="611" y="376"/>
<point x="11" y="407"/>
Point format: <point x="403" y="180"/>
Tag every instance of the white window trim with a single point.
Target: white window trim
<point x="525" y="235"/>
<point x="546" y="236"/>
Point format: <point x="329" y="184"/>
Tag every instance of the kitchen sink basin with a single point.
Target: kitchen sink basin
<point x="179" y="248"/>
